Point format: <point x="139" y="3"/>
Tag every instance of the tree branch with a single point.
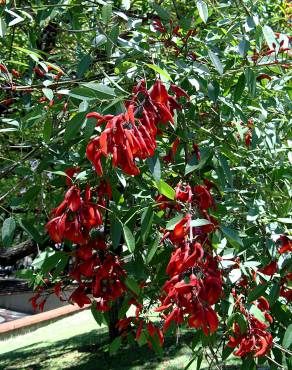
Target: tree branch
<point x="8" y="256"/>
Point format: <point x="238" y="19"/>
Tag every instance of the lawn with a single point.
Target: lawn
<point x="76" y="342"/>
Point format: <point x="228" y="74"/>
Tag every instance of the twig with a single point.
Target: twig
<point x="275" y="362"/>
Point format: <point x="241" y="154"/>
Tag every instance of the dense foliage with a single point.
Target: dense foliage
<point x="145" y="150"/>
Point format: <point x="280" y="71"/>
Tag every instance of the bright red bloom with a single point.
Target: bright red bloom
<point x="73" y="199"/>
<point x="255" y="340"/>
<point x="204" y="198"/>
<point x="79" y="297"/>
<point x="75" y="217"/>
<point x="154" y="331"/>
<point x="71" y="172"/>
<point x="56" y="228"/>
<point x="269" y="269"/>
<point x="286" y="244"/>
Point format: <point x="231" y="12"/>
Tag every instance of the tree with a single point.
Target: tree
<point x="146" y="155"/>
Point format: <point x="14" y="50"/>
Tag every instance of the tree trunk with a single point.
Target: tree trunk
<point x="113" y="331"/>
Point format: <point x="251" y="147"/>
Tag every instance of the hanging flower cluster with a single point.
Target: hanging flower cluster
<point x="99" y="273"/>
<point x="132" y="135"/>
<point x="74" y="217"/>
<point x="256" y="339"/>
<point x="195" y="282"/>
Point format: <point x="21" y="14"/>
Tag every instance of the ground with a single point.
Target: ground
<point x="76" y="342"/>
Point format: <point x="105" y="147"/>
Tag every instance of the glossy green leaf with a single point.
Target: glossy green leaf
<point x="216" y="62"/>
<point x="8" y="229"/>
<point x="165" y="189"/>
<point x="129" y="238"/>
<point x="203" y="10"/>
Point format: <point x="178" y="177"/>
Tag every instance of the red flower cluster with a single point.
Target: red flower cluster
<point x="132" y="135"/>
<point x="100" y="276"/>
<point x="201" y="198"/>
<point x="170" y="30"/>
<point x="195" y="285"/>
<point x="256" y="340"/>
<point x="74" y="217"/>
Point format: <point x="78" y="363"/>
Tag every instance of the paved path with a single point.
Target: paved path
<point x="8" y="315"/>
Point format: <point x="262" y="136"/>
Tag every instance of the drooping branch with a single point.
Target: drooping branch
<point x="8" y="256"/>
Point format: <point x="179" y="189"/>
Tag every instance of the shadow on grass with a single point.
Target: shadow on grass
<point x="88" y="351"/>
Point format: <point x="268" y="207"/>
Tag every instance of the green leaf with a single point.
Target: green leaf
<point x="112" y="39"/>
<point x="226" y="352"/>
<point x="106" y="13"/>
<point x="132" y="285"/>
<point x="213" y="90"/>
<point x="24" y="274"/>
<point x="115" y="231"/>
<point x="146" y="223"/>
<point x="56" y="261"/>
<point x="232" y="236"/>
<point x="173" y="222"/>
<point x="115" y="345"/>
<point x="41" y="258"/>
<point x="239" y="319"/>
<point x="203" y="10"/>
<point x="129" y="238"/>
<point x="48" y="93"/>
<point x="250" y="78"/>
<point x="154" y="166"/>
<point x="99" y="40"/>
<point x="239" y="88"/>
<point x="74" y="126"/>
<point x="83" y="65"/>
<point x="243" y="47"/>
<point x="257" y="292"/>
<point x="155" y="344"/>
<point x="194" y="165"/>
<point x="285" y="220"/>
<point x="47" y="130"/>
<point x="165" y="189"/>
<point x="102" y="91"/>
<point x="3" y="27"/>
<point x="287" y="340"/>
<point x="248" y="363"/>
<point x="269" y="36"/>
<point x="126" y="4"/>
<point x="226" y="169"/>
<point x="153" y="249"/>
<point x="159" y="70"/>
<point x="200" y="222"/>
<point x="8" y="229"/>
<point x="28" y="227"/>
<point x="162" y="12"/>
<point x="216" y="62"/>
<point x="97" y="315"/>
<point x="274" y="294"/>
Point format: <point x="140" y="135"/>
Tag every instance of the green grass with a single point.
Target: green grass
<point x="76" y="342"/>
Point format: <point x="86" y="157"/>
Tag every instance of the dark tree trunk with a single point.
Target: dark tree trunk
<point x="113" y="331"/>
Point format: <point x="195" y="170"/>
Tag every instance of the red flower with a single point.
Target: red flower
<point x="154" y="331"/>
<point x="179" y="92"/>
<point x="255" y="340"/>
<point x="79" y="297"/>
<point x="286" y="244"/>
<point x="56" y="228"/>
<point x="269" y="269"/>
<point x="73" y="199"/>
<point x="204" y="198"/>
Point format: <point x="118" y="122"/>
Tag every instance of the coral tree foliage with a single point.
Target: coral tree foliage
<point x="157" y="168"/>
